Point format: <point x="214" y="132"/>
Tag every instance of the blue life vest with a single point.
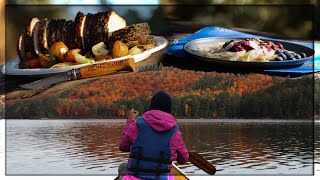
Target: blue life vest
<point x="150" y="153"/>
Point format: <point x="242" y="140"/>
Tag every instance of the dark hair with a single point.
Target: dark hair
<point x="161" y="101"/>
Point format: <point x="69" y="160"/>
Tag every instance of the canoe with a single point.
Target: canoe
<point x="178" y="174"/>
<point x="176" y="171"/>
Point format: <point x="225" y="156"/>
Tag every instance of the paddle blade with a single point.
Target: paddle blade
<point x="201" y="163"/>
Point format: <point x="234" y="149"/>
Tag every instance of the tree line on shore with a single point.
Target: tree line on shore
<point x="195" y="95"/>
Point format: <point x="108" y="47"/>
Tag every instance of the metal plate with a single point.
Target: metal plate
<point x="192" y="46"/>
<point x="12" y="67"/>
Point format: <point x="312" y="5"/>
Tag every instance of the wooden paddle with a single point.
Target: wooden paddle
<point x="197" y="160"/>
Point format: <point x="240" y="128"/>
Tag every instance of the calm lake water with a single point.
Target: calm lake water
<point x="235" y="147"/>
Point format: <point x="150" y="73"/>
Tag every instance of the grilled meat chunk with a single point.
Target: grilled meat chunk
<point x="80" y="20"/>
<point x="42" y="37"/>
<point x="69" y="34"/>
<point x="54" y="31"/>
<point x="25" y="42"/>
<point x="133" y="35"/>
<point x="35" y="38"/>
<point x="21" y="47"/>
<point x="99" y="27"/>
<point x="113" y="22"/>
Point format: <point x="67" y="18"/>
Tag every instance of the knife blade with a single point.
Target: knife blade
<point x="46" y="81"/>
<point x="93" y="70"/>
<point x="151" y="67"/>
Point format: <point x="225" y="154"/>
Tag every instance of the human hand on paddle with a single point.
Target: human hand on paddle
<point x="132" y="114"/>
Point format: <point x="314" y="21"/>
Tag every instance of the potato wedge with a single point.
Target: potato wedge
<point x="57" y="50"/>
<point x="119" y="49"/>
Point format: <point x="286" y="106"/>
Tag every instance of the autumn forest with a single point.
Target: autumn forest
<point x="195" y="95"/>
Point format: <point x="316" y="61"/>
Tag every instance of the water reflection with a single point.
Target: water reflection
<point x="91" y="146"/>
<point x="252" y="147"/>
<point x="317" y="143"/>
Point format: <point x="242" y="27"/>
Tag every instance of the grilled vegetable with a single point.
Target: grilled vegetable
<point x="119" y="49"/>
<point x="58" y="49"/>
<point x="69" y="56"/>
<point x="46" y="61"/>
<point x="135" y="50"/>
<point x="34" y="63"/>
<point x="100" y="49"/>
<point x="82" y="59"/>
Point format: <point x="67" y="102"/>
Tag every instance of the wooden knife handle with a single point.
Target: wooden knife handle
<point x="105" y="68"/>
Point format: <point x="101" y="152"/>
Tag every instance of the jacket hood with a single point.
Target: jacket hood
<point x="161" y="101"/>
<point x="159" y="120"/>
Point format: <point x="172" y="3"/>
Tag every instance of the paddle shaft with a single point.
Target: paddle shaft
<point x="197" y="160"/>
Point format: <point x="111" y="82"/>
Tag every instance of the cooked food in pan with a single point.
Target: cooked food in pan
<point x="247" y="50"/>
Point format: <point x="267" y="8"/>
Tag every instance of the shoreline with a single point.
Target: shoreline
<point x="179" y="120"/>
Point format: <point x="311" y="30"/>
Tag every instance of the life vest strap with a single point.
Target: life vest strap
<point x="150" y="159"/>
<point x="139" y="156"/>
<point x="150" y="170"/>
<point x="159" y="163"/>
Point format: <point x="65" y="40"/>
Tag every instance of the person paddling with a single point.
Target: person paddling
<point x="153" y="140"/>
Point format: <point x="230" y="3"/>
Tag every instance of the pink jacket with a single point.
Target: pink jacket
<point x="159" y="121"/>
